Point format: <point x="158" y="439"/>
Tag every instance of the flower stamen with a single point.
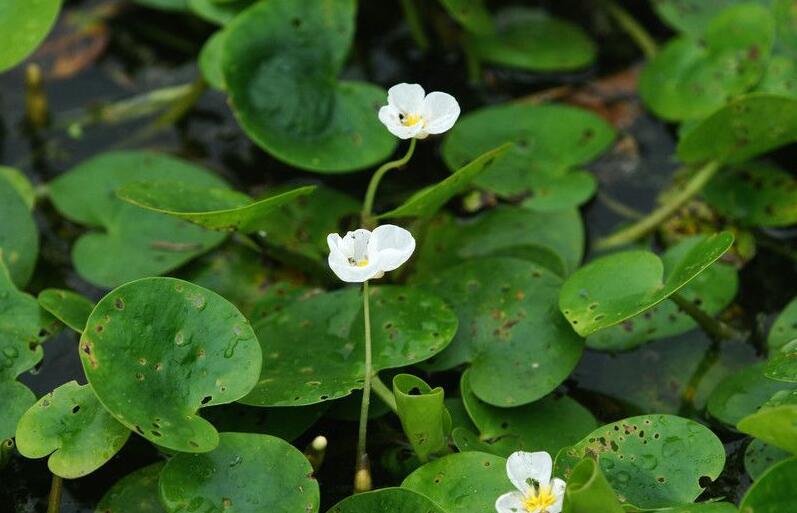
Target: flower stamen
<point x="411" y="119"/>
<point x="542" y="499"/>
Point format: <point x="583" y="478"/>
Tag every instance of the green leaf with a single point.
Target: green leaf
<point x="210" y="207"/>
<point x="17" y="398"/>
<point x="19" y="238"/>
<point x="773" y="491"/>
<point x="386" y="500"/>
<point x="428" y="201"/>
<point x="748" y="126"/>
<point x="70" y="423"/>
<point x="281" y="60"/>
<point x="712" y="290"/>
<point x="651" y="461"/>
<point x="137" y="492"/>
<point x="782" y="364"/>
<point x="130" y="242"/>
<point x="20" y="183"/>
<point x="217" y="12"/>
<point x="550" y="143"/>
<point x="286" y="423"/>
<point x="742" y="393"/>
<point x="545" y="425"/>
<point x="693" y="16"/>
<point x="759" y="456"/>
<point x="616" y="287"/>
<point x="68" y="307"/>
<point x="780" y="77"/>
<point x="157" y="349"/>
<point x="518" y="345"/>
<point x="786" y="20"/>
<point x="704" y="507"/>
<point x="775" y="422"/>
<point x="588" y="491"/>
<point x="166" y="5"/>
<point x="423" y="415"/>
<point x="210" y="60"/>
<point x="784" y="329"/>
<point x="471" y="14"/>
<point x="531" y="39"/>
<point x="26" y="24"/>
<point x="408" y="326"/>
<point x="461" y="483"/>
<point x="246" y="473"/>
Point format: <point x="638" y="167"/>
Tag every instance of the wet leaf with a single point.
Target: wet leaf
<point x="17" y="398"/>
<point x="423" y="415"/>
<point x="471" y="14"/>
<point x="742" y="393"/>
<point x="775" y="422"/>
<point x="300" y="46"/>
<point x="19" y="238"/>
<point x="588" y="490"/>
<point x="246" y="473"/>
<point x="129" y="242"/>
<point x="70" y="423"/>
<point x="614" y="288"/>
<point x="157" y="349"/>
<point x="408" y="326"/>
<point x="218" y="12"/>
<point x="784" y="329"/>
<point x="386" y="500"/>
<point x="136" y="492"/>
<point x="773" y="491"/>
<point x="759" y="456"/>
<point x="68" y="307"/>
<point x="782" y="365"/>
<point x="651" y="461"/>
<point x="26" y="24"/>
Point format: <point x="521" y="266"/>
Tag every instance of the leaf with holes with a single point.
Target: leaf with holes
<point x="773" y="491"/>
<point x="782" y="364"/>
<point x="157" y="349"/>
<point x="423" y="415"/>
<point x="775" y="422"/>
<point x="742" y="393"/>
<point x="26" y="24"/>
<point x="651" y="461"/>
<point x="129" y="242"/>
<point x="551" y="142"/>
<point x="471" y="14"/>
<point x="70" y="423"/>
<point x="408" y="326"/>
<point x="386" y="500"/>
<point x="213" y="208"/>
<point x="784" y="329"/>
<point x="246" y="473"/>
<point x="19" y="239"/>
<point x="323" y="125"/>
<point x="616" y="287"/>
<point x="137" y="492"/>
<point x="461" y="483"/>
<point x="519" y="346"/>
<point x="588" y="490"/>
<point x="759" y="456"/>
<point x="69" y="307"/>
<point x="17" y="398"/>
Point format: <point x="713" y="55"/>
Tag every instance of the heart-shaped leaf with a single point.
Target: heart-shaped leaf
<point x="773" y="491"/>
<point x="519" y="346"/>
<point x="218" y="12"/>
<point x="68" y="307"/>
<point x="17" y="398"/>
<point x="157" y="349"/>
<point x="70" y="423"/>
<point x="26" y="24"/>
<point x="408" y="326"/>
<point x="742" y="393"/>
<point x="423" y="415"/>
<point x="613" y="288"/>
<point x="132" y="242"/>
<point x="651" y="461"/>
<point x="759" y="456"/>
<point x="471" y="14"/>
<point x="19" y="239"/>
<point x="588" y="490"/>
<point x="323" y="125"/>
<point x="137" y="492"/>
<point x="386" y="500"/>
<point x="784" y="329"/>
<point x="776" y="422"/>
<point x="246" y="473"/>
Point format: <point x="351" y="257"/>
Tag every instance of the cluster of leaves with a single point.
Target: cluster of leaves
<point x="195" y="341"/>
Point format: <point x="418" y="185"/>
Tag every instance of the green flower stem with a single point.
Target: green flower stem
<point x="370" y="193"/>
<point x="415" y="23"/>
<point x="649" y="223"/>
<point x="633" y="28"/>
<point x="54" y="502"/>
<point x="714" y="328"/>
<point x="379" y="388"/>
<point x="361" y="464"/>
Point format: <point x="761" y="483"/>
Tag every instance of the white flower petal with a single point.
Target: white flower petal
<point x="558" y="488"/>
<point x="407" y="98"/>
<point x="523" y="467"/>
<point x="389" y="116"/>
<point x="352" y="273"/>
<point x="440" y="111"/>
<point x="393" y="245"/>
<point x="511" y="502"/>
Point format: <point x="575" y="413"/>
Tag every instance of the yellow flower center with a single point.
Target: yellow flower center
<point x="411" y="119"/>
<point x="362" y="263"/>
<point x="542" y="499"/>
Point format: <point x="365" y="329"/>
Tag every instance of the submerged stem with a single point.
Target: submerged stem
<point x="379" y="388"/>
<point x="54" y="502"/>
<point x="362" y="471"/>
<point x="661" y="214"/>
<point x="714" y="328"/>
<point x="370" y="193"/>
<point x="633" y="28"/>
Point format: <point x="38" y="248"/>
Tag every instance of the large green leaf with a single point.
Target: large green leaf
<point x="70" y="423"/>
<point x="19" y="239"/>
<point x="652" y="461"/>
<point x="20" y="183"/>
<point x="782" y="364"/>
<point x="784" y="329"/>
<point x="136" y="492"/>
<point x="550" y="143"/>
<point x="588" y="490"/>
<point x="157" y="349"/>
<point x="759" y="456"/>
<point x="25" y="25"/>
<point x="246" y="473"/>
<point x="209" y="61"/>
<point x="17" y="398"/>
<point x="386" y="500"/>
<point x="780" y="77"/>
<point x="613" y="288"/>
<point x="774" y="491"/>
<point x="217" y="12"/>
<point x="519" y="346"/>
<point x="693" y="16"/>
<point x="280" y="62"/>
<point x="776" y="422"/>
<point x="68" y="307"/>
<point x="408" y="326"/>
<point x="423" y="414"/>
<point x="130" y="242"/>
<point x="742" y="393"/>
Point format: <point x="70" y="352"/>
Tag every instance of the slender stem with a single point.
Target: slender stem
<point x="619" y="208"/>
<point x="633" y="28"/>
<point x="362" y="454"/>
<point x="661" y="214"/>
<point x="54" y="503"/>
<point x="706" y="363"/>
<point x="714" y="328"/>
<point x="370" y="193"/>
<point x="384" y="393"/>
<point x="415" y="23"/>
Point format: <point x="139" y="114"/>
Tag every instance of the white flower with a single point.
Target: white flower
<point x="362" y="255"/>
<point x="530" y="472"/>
<point x="412" y="113"/>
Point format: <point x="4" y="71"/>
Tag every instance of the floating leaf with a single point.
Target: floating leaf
<point x="246" y="473"/>
<point x="775" y="422"/>
<point x="550" y="143"/>
<point x="70" y="423"/>
<point x="588" y="490"/>
<point x="471" y="14"/>
<point x="133" y="243"/>
<point x="157" y="349"/>
<point x="616" y="287"/>
<point x="693" y="16"/>
<point x="137" y="492"/>
<point x="423" y="415"/>
<point x="742" y="393"/>
<point x="518" y="345"/>
<point x="428" y="201"/>
<point x="773" y="490"/>
<point x="19" y="239"/>
<point x="26" y="24"/>
<point x="784" y="329"/>
<point x="20" y="183"/>
<point x="461" y="483"/>
<point x="780" y="77"/>
<point x="17" y="398"/>
<point x="408" y="326"/>
<point x="218" y="12"/>
<point x="782" y="365"/>
<point x="68" y="307"/>
<point x="759" y="456"/>
<point x="531" y="39"/>
<point x="652" y="461"/>
<point x="210" y="60"/>
<point x="300" y="46"/>
<point x="386" y="500"/>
